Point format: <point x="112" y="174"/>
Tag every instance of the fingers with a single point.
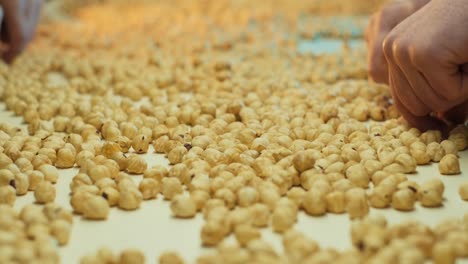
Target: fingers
<point x="375" y="33"/>
<point x="418" y="86"/>
<point x="423" y="88"/>
<point x="379" y="26"/>
<point x="20" y="19"/>
<point x="421" y="122"/>
<point x="376" y="63"/>
<point x="14" y="36"/>
<point x="401" y="87"/>
<point x="413" y="66"/>
<point x="412" y="94"/>
<point x="425" y="77"/>
<point x="449" y="80"/>
<point x="403" y="81"/>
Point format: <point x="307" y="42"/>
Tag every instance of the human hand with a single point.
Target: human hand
<point x="426" y="63"/>
<point x="380" y="24"/>
<point x="427" y="60"/>
<point x="18" y="22"/>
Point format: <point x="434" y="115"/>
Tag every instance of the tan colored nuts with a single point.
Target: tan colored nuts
<point x="183" y="206"/>
<point x="358" y="176"/>
<point x="176" y="154"/>
<point x="170" y="258"/>
<point x="131" y="256"/>
<point x="463" y="191"/>
<point x="140" y="143"/>
<point x="247" y="196"/>
<point x="443" y="253"/>
<point x="78" y="200"/>
<point x="246" y="233"/>
<point x="96" y="207"/>
<point x="181" y="172"/>
<point x="157" y="172"/>
<point x="130" y="199"/>
<point x="111" y="194"/>
<point x="283" y="217"/>
<point x="296" y="194"/>
<point x="336" y="202"/>
<point x="407" y="162"/>
<point x="403" y="200"/>
<point x="419" y="153"/>
<point x="45" y="192"/>
<point x="21" y="183"/>
<point x="430" y="195"/>
<point x="170" y="188"/>
<point x="356" y="203"/>
<point x="260" y="214"/>
<point x="7" y="195"/>
<point x="314" y="202"/>
<point x="34" y="178"/>
<point x="304" y="160"/>
<point x="6" y="177"/>
<point x="55" y="212"/>
<point x="149" y="188"/>
<point x="136" y="164"/>
<point x="435" y="184"/>
<point x="381" y="196"/>
<point x="65" y="158"/>
<point x="98" y="172"/>
<point x="212" y="232"/>
<point x="121" y="159"/>
<point x="61" y="230"/>
<point x="83" y="156"/>
<point x="109" y="149"/>
<point x="200" y="198"/>
<point x="247" y="148"/>
<point x="50" y="172"/>
<point x="449" y="147"/>
<point x="449" y="165"/>
<point x="328" y="111"/>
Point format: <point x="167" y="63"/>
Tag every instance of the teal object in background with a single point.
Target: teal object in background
<point x="347" y="25"/>
<point x="326" y="45"/>
<point x="353" y="27"/>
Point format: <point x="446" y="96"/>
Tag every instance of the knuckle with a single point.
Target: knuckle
<point x="395" y="46"/>
<point x="387" y="45"/>
<point x="402" y="45"/>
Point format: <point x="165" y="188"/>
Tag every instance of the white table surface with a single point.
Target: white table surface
<point x="153" y="230"/>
